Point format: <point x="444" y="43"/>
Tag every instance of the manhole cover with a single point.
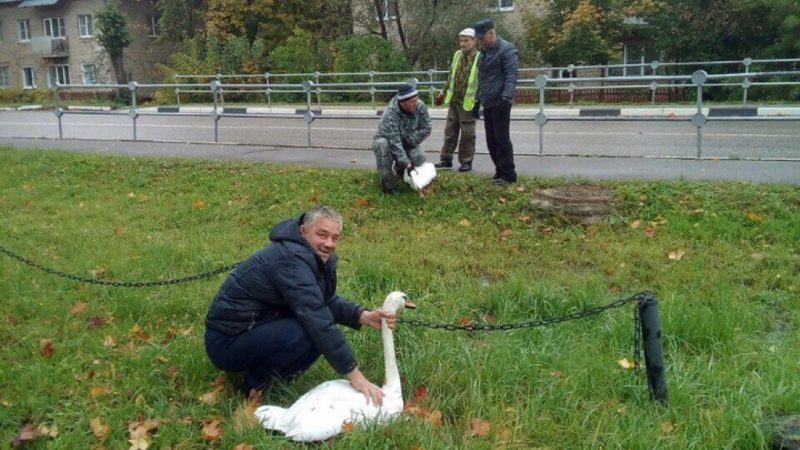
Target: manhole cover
<point x="583" y="203"/>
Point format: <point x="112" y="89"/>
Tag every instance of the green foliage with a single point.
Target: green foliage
<point x="299" y="54"/>
<point x="112" y="29"/>
<point x="730" y="307"/>
<point x="365" y="53"/>
<point x="178" y="18"/>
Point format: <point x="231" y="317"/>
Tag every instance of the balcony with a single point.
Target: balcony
<point x="47" y="47"/>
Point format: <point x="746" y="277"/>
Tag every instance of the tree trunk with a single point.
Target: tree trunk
<point x="381" y="17"/>
<point x="400" y="26"/>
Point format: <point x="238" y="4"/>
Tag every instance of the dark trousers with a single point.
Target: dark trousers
<point x="276" y="349"/>
<point x="461" y="121"/>
<point x="496" y="121"/>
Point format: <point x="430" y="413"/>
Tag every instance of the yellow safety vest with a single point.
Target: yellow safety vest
<point x="472" y="82"/>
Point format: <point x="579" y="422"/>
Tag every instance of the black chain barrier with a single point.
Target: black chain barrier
<point x="133" y="284"/>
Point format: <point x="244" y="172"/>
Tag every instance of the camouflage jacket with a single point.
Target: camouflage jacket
<point x="397" y="127"/>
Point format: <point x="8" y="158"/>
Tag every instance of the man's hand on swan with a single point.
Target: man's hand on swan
<point x="372" y="319"/>
<point x="360" y="383"/>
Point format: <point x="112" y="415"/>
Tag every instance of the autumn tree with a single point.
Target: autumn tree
<point x="179" y="19"/>
<point x="114" y="36"/>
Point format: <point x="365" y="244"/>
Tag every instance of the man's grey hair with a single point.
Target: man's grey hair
<point x="320" y="212"/>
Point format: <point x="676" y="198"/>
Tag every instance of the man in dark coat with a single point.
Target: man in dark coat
<point x="498" y="70"/>
<point x="276" y="313"/>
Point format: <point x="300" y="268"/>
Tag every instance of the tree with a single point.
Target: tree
<point x="178" y="19"/>
<point x="114" y="36"/>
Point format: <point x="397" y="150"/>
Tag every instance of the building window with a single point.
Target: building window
<point x="1" y="31"/>
<point x="89" y="73"/>
<point x="24" y="30"/>
<point x="501" y="5"/>
<point x="152" y="23"/>
<point x="4" y="77"/>
<point x="59" y="74"/>
<point x="29" y="78"/>
<point x="85" y="25"/>
<point x="54" y="27"/>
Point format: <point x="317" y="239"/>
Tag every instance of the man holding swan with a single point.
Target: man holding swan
<point x="278" y="311"/>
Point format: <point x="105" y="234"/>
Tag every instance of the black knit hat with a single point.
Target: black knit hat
<point x="406" y="92"/>
<point x="482" y="27"/>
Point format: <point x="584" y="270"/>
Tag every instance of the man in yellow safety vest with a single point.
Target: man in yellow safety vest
<point x="459" y="93"/>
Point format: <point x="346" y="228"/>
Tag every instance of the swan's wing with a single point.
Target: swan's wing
<point x="322" y="412"/>
<point x="423" y="176"/>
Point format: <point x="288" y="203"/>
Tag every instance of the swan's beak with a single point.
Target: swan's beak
<point x="410" y="305"/>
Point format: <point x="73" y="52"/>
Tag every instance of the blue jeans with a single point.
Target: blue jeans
<point x="277" y="349"/>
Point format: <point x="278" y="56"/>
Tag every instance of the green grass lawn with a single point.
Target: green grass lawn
<point x="91" y="365"/>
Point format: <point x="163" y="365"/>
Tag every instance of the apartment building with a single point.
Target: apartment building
<point x="47" y="41"/>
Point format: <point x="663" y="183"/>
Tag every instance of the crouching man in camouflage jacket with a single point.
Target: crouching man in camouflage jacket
<point x="403" y="126"/>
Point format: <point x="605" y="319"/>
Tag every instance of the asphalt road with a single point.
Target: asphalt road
<point x="740" y="139"/>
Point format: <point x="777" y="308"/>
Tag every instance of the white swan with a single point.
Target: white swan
<point x="329" y="408"/>
<point x="420" y="177"/>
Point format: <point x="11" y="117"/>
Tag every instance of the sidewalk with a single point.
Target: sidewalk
<point x="780" y="172"/>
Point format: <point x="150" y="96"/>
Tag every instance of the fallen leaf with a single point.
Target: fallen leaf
<point x="99" y="272"/>
<point x="421" y="392"/>
<point x="78" y="308"/>
<point x="362" y="202"/>
<point x="46" y="347"/>
<point x="546" y="231"/>
<point x="635" y="224"/>
<point x="479" y="427"/>
<point x="314" y="198"/>
<point x="490" y="318"/>
<point x="99" y="429"/>
<point x="504" y="234"/>
<point x="139" y="443"/>
<point x="162" y="358"/>
<point x="677" y="255"/>
<point x="198" y="204"/>
<point x="97" y="391"/>
<point x="556" y="374"/>
<point x="650" y="232"/>
<point x="464" y="222"/>
<point x="46" y="430"/>
<point x="464" y="321"/>
<point x="210" y="398"/>
<point x="95" y="322"/>
<point x="119" y="230"/>
<point x="525" y="219"/>
<point x="172" y="372"/>
<point x="347" y="426"/>
<point x="131" y="195"/>
<point x="757" y="256"/>
<point x="25" y="435"/>
<point x="502" y="200"/>
<point x="243" y="446"/>
<point x="755" y="217"/>
<point x="697" y="211"/>
<point x="625" y="364"/>
<point x="109" y="342"/>
<point x="435" y="418"/>
<point x="212" y="430"/>
<point x="668" y="426"/>
<point x="520" y="189"/>
<point x="27" y="187"/>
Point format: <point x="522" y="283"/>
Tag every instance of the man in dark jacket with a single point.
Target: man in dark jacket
<point x="498" y="69"/>
<point x="277" y="311"/>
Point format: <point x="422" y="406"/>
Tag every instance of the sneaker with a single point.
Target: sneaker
<point x="465" y="167"/>
<point x="444" y="165"/>
<point x="500" y="182"/>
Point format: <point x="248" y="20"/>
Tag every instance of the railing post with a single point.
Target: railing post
<point x="699" y="119"/>
<point x="541" y="118"/>
<point x="746" y="82"/>
<point x="372" y="88"/>
<point x="58" y="110"/>
<point x="318" y="90"/>
<point x="431" y="89"/>
<point x="308" y="117"/>
<point x="215" y="115"/>
<point x="221" y="94"/>
<point x="653" y="348"/>
<point x="268" y="91"/>
<point x="133" y="86"/>
<point x="178" y="95"/>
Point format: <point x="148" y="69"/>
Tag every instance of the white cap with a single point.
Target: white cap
<point x="469" y="32"/>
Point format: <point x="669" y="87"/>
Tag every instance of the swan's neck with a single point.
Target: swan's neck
<point x="392" y="385"/>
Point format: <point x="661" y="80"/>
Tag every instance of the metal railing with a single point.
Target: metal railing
<point x="699" y="82"/>
<point x="608" y="73"/>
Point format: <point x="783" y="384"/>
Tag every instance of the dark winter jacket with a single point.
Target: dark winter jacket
<point x="287" y="279"/>
<point x="498" y="70"/>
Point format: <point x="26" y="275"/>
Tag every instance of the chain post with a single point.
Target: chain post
<point x="133" y="87"/>
<point x="58" y="110"/>
<point x="653" y="346"/>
